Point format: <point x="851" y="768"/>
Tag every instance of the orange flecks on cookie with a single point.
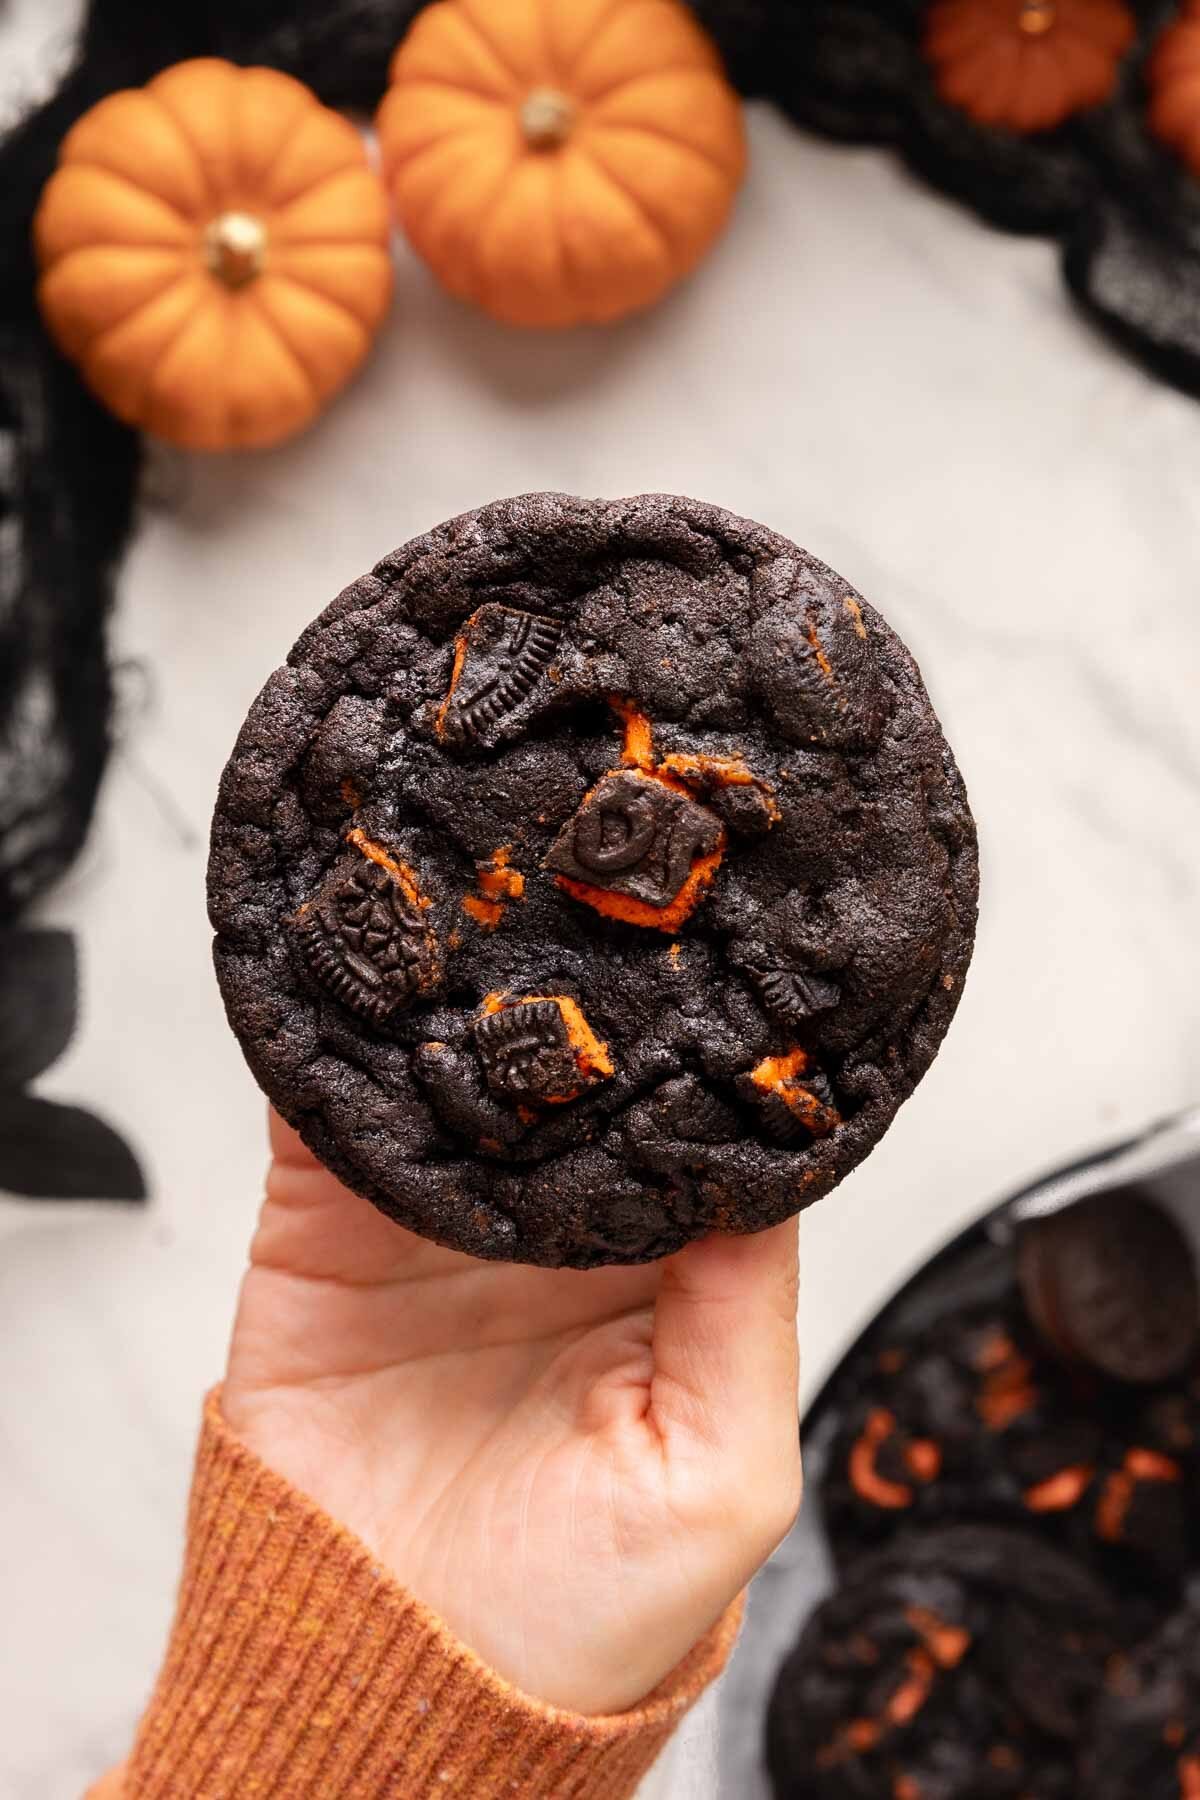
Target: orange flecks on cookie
<point x="497" y="884"/>
<point x="1117" y="1494"/>
<point x="865" y="1478"/>
<point x="487" y="913"/>
<point x="1060" y="1491"/>
<point x="856" y="619"/>
<point x="495" y="880"/>
<point x="947" y="1644"/>
<point x="914" y="1690"/>
<point x="853" y="1739"/>
<point x="924" y="1458"/>
<point x="1007" y="1391"/>
<point x="819" y="657"/>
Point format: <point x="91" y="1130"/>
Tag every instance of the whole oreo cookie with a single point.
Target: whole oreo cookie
<point x="962" y="1665"/>
<point x="594" y="875"/>
<point x="1144" y="1739"/>
<point x="1111" y="1283"/>
<point x="971" y="1419"/>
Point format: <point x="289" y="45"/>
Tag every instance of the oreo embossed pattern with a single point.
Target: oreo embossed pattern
<point x="593" y="875"/>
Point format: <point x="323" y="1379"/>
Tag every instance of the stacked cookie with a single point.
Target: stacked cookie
<point x="1011" y="1499"/>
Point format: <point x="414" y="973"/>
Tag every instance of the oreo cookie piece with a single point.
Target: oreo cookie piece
<point x="1111" y="1283"/>
<point x="593" y="875"/>
<point x="1144" y="1738"/>
<point x="970" y="1419"/>
<point x="961" y="1665"/>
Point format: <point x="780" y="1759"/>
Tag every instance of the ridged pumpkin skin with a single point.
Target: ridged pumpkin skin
<point x="1174" y="77"/>
<point x="560" y="162"/>
<point x="1026" y="65"/>
<point x="214" y="254"/>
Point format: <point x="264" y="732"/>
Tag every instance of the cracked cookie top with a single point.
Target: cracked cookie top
<point x="593" y="875"/>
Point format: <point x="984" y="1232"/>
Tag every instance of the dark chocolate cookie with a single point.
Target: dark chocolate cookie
<point x="960" y="1665"/>
<point x="970" y="1419"/>
<point x="1144" y="1741"/>
<point x="1111" y="1282"/>
<point x="593" y="875"/>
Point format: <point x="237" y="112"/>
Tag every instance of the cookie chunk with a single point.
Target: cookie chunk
<point x="962" y="1665"/>
<point x="592" y="876"/>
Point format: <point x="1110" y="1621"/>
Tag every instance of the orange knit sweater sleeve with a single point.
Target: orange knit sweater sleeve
<point x="297" y="1669"/>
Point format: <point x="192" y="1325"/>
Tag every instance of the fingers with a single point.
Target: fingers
<point x="287" y="1146"/>
<point x="313" y="1225"/>
<point x="725" y="1352"/>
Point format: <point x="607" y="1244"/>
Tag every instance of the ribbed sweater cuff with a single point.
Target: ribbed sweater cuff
<point x="298" y="1669"/>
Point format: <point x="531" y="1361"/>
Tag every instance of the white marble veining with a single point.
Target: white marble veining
<point x="863" y="367"/>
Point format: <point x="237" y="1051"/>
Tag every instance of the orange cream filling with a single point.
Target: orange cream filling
<point x="460" y="657"/>
<point x="401" y="871"/>
<point x="591" y="1053"/>
<point x="778" y="1075"/>
<point x="497" y="884"/>
<point x="864" y="1476"/>
<point x="1063" y="1489"/>
<point x="683" y="772"/>
<point x="487" y="913"/>
<point x="639" y="912"/>
<point x="1113" y="1505"/>
<point x="496" y="880"/>
<point x="947" y="1644"/>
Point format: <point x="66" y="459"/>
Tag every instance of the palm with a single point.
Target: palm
<point x="534" y="1453"/>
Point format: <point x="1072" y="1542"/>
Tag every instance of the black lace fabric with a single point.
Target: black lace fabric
<point x="1124" y="211"/>
<point x="1125" y="214"/>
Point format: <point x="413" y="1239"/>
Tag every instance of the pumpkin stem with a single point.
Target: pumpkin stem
<point x="235" y="245"/>
<point x="1036" y="17"/>
<point x="546" y="118"/>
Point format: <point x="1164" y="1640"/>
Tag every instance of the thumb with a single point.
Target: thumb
<point x="726" y="1363"/>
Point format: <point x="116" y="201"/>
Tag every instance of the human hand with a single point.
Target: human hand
<point x="577" y="1471"/>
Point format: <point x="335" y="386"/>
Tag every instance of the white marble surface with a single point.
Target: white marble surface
<point x="864" y="368"/>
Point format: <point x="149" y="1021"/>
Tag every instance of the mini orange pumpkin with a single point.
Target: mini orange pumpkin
<point x="1174" y="77"/>
<point x="560" y="161"/>
<point x="214" y="254"/>
<point x="1026" y="64"/>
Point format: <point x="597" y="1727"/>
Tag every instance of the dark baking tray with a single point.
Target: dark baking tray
<point x="1163" y="1160"/>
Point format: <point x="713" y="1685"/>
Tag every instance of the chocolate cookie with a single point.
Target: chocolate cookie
<point x="1111" y="1282"/>
<point x="593" y="875"/>
<point x="961" y="1665"/>
<point x="1144" y="1740"/>
<point x="970" y="1419"/>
